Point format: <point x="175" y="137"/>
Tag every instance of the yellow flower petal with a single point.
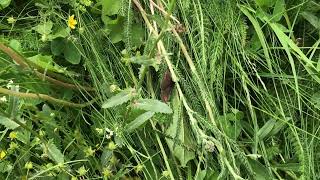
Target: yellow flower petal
<point x="72" y="22"/>
<point x="2" y="154"/>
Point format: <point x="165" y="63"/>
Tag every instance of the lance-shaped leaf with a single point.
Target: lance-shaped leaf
<point x="152" y="105"/>
<point x="139" y="121"/>
<point x="120" y="98"/>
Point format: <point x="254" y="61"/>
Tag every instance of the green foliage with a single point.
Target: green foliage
<point x="238" y="82"/>
<point x="120" y="98"/>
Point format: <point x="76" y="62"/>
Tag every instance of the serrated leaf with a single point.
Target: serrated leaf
<point x="178" y="130"/>
<point x="120" y="98"/>
<point x="139" y="121"/>
<point x="278" y="10"/>
<point x="54" y="153"/>
<point x="71" y="53"/>
<point x="152" y="105"/>
<point x="44" y="28"/>
<point x="8" y="123"/>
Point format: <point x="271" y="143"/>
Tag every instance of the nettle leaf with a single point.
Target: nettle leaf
<point x="71" y="53"/>
<point x="44" y="28"/>
<point x="54" y="153"/>
<point x="152" y="105"/>
<point x="8" y="123"/>
<point x="4" y="4"/>
<point x="178" y="130"/>
<point x="278" y="10"/>
<point x="139" y="121"/>
<point x="120" y="98"/>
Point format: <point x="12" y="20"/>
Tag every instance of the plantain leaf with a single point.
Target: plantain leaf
<point x="122" y="97"/>
<point x="153" y="106"/>
<point x="139" y="121"/>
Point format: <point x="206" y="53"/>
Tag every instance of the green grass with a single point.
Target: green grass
<point x="244" y="105"/>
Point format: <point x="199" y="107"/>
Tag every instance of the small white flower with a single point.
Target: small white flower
<point x="3" y="99"/>
<point x="9" y="85"/>
<point x="109" y="133"/>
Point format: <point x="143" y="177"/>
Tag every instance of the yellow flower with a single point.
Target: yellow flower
<point x="72" y="22"/>
<point x="13" y="135"/>
<point x="2" y="154"/>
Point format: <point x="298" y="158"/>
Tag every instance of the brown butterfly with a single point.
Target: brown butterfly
<point x="166" y="86"/>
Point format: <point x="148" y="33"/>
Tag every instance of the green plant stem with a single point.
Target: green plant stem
<point x="17" y="58"/>
<point x="44" y="97"/>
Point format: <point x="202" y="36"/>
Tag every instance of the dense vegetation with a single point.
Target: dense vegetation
<point x="159" y="89"/>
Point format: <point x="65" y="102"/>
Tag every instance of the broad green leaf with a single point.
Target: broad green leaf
<point x="8" y="123"/>
<point x="139" y="121"/>
<point x="110" y="7"/>
<point x="59" y="33"/>
<point x="16" y="45"/>
<point x="54" y="153"/>
<point x="71" y="53"/>
<point x="57" y="46"/>
<point x="4" y="4"/>
<point x="46" y="62"/>
<point x="44" y="28"/>
<point x="260" y="170"/>
<point x="136" y="35"/>
<point x="122" y="97"/>
<point x="152" y="105"/>
<point x="179" y="130"/>
<point x="266" y="129"/>
<point x="265" y="3"/>
<point x="312" y="19"/>
<point x="278" y="10"/>
<point x="114" y="28"/>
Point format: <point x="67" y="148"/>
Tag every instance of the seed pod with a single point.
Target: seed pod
<point x="166" y="86"/>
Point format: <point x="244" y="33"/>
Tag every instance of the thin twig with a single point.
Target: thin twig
<point x="44" y="97"/>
